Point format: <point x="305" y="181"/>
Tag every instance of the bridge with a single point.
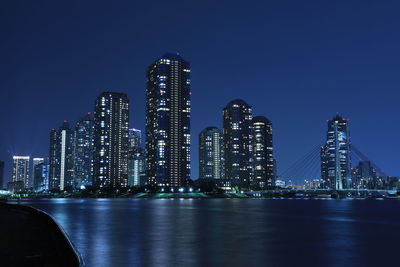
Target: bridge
<point x="306" y="173"/>
<point x="315" y="193"/>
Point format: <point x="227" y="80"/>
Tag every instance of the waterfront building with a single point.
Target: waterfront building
<point x="263" y="159"/>
<point x="364" y="176"/>
<point x="21" y="170"/>
<point x="280" y="183"/>
<point x="312" y="184"/>
<point x="61" y="158"/>
<point x="40" y="174"/>
<point x="1" y="174"/>
<point x="15" y="186"/>
<point x="210" y="153"/>
<point x="135" y="137"/>
<point x="110" y="157"/>
<point x="83" y="151"/>
<point x="168" y="121"/>
<point x="136" y="166"/>
<point x="336" y="155"/>
<point x="237" y="136"/>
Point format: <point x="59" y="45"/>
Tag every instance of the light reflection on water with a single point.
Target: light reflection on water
<point x="229" y="232"/>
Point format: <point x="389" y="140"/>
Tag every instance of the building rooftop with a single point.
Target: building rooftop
<point x="262" y="119"/>
<point x="240" y="102"/>
<point x="172" y="56"/>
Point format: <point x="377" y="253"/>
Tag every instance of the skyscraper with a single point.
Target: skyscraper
<point x="21" y="170"/>
<point x="210" y="153"/>
<point x="83" y="150"/>
<point x="336" y="155"/>
<point x="168" y="121"/>
<point x="1" y="174"/>
<point x="110" y="157"/>
<point x="135" y="137"/>
<point x="35" y="162"/>
<point x="237" y="117"/>
<point x="364" y="176"/>
<point x="263" y="159"/>
<point x="61" y="158"/>
<point x="136" y="166"/>
<point x="40" y="174"/>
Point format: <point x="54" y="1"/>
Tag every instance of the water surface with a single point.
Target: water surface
<point x="230" y="232"/>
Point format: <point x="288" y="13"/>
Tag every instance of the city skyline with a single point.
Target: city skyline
<point x="199" y="133"/>
<point x="294" y="78"/>
<point x="256" y="166"/>
<point x="133" y="139"/>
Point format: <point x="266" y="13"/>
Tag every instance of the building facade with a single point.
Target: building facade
<point x="21" y="170"/>
<point x="263" y="159"/>
<point x="364" y="176"/>
<point x="237" y="135"/>
<point x="61" y="158"/>
<point x="83" y="151"/>
<point x="135" y="137"/>
<point x="40" y="174"/>
<point x="210" y="153"/>
<point x="110" y="157"/>
<point x="336" y="155"/>
<point x="136" y="166"/>
<point x="1" y="175"/>
<point x="168" y="121"/>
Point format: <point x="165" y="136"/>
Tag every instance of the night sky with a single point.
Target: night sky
<point x="296" y="62"/>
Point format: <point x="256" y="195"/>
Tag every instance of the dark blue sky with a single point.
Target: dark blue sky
<point x="296" y="62"/>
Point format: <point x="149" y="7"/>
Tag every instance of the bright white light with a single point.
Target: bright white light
<point x="181" y="189"/>
<point x="83" y="187"/>
<point x="190" y="189"/>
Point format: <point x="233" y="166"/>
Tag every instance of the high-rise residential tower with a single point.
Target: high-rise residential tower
<point x="364" y="176"/>
<point x="21" y="170"/>
<point x="40" y="174"/>
<point x="35" y="163"/>
<point x="210" y="153"/>
<point x="83" y="150"/>
<point x="237" y="121"/>
<point x="263" y="159"/>
<point x="61" y="158"/>
<point x="110" y="157"/>
<point x="336" y="155"/>
<point x="1" y="174"/>
<point x="168" y="121"/>
<point x="135" y="137"/>
<point x="136" y="166"/>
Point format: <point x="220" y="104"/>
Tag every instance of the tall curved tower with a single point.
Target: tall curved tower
<point x="237" y="122"/>
<point x="168" y="121"/>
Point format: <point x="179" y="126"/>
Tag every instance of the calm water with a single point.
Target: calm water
<point x="230" y="232"/>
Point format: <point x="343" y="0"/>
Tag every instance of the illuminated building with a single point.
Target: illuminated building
<point x="21" y="170"/>
<point x="210" y="153"/>
<point x="136" y="166"/>
<point x="364" y="176"/>
<point x="135" y="137"/>
<point x="263" y="159"/>
<point x="168" y="121"/>
<point x="110" y="157"/>
<point x="1" y="174"/>
<point x="61" y="158"/>
<point x="40" y="174"/>
<point x="83" y="151"/>
<point x="336" y="155"/>
<point x="237" y="135"/>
